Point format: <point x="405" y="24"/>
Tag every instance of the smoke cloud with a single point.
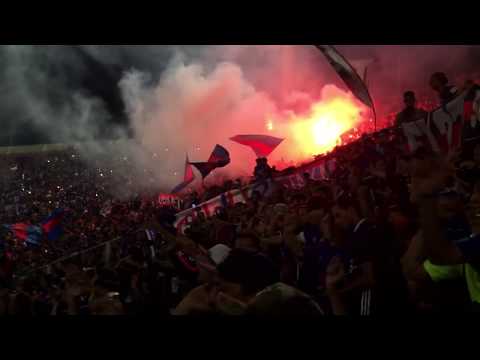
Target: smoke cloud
<point x="173" y="100"/>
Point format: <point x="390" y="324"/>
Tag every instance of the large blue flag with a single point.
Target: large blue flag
<point x="220" y="157"/>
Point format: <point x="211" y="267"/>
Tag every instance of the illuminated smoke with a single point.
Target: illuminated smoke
<point x="188" y="98"/>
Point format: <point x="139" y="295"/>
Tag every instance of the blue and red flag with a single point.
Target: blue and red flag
<point x="262" y="145"/>
<point x="220" y="158"/>
<point x="188" y="178"/>
<point x="52" y="226"/>
<point x="28" y="233"/>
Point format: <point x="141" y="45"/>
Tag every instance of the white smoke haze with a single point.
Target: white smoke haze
<point x="185" y="99"/>
<point x="190" y="110"/>
<point x="196" y="105"/>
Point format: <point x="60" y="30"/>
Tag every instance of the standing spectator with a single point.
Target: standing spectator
<point x="373" y="283"/>
<point x="411" y="112"/>
<point x="262" y="171"/>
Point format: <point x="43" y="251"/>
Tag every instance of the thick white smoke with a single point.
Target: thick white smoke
<point x="190" y="110"/>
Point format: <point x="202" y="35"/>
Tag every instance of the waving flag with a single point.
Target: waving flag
<point x="188" y="178"/>
<point x="52" y="226"/>
<point x="205" y="168"/>
<point x="348" y="74"/>
<point x="262" y="145"/>
<point x="30" y="234"/>
<point x="220" y="158"/>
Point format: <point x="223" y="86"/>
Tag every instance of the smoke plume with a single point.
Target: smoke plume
<point x="172" y="100"/>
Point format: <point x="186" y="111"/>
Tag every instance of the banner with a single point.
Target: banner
<point x="441" y="131"/>
<point x="169" y="200"/>
<point x="318" y="170"/>
<point x="208" y="208"/>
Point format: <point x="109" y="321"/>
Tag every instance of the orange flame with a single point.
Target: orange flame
<point x="320" y="130"/>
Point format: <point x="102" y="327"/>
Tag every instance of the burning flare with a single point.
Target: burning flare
<point x="321" y="129"/>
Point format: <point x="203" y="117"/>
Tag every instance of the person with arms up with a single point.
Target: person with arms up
<point x="449" y="250"/>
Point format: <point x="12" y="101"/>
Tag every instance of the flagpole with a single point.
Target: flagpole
<point x="349" y="76"/>
<point x="374" y="111"/>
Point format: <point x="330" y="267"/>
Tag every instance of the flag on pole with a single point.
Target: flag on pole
<point x="441" y="131"/>
<point x="348" y="74"/>
<point x="188" y="178"/>
<point x="220" y="157"/>
<point x="262" y="145"/>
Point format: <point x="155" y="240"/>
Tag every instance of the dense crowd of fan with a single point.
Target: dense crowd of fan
<point x="388" y="232"/>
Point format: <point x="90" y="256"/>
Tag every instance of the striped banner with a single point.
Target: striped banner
<point x="208" y="208"/>
<point x="318" y="170"/>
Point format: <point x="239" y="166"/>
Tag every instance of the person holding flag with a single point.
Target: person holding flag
<point x="262" y="171"/>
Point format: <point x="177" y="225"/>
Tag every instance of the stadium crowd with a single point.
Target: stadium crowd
<point x="388" y="232"/>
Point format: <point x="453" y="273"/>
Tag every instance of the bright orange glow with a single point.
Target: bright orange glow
<point x="320" y="131"/>
<point x="269" y="125"/>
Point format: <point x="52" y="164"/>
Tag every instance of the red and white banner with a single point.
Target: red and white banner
<point x="167" y="200"/>
<point x="208" y="208"/>
<point x="441" y="130"/>
<point x="318" y="170"/>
